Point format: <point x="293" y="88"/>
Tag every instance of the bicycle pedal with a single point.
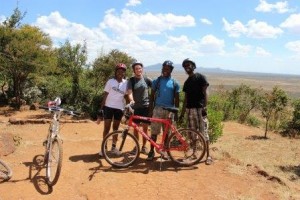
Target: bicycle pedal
<point x="45" y="143"/>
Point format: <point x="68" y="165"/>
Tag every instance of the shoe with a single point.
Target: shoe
<point x="133" y="152"/>
<point x="164" y="155"/>
<point x="115" y="151"/>
<point x="144" y="150"/>
<point x="151" y="155"/>
<point x="209" y="160"/>
<point x="100" y="153"/>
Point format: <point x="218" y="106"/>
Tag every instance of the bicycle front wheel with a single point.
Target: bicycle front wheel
<point x="120" y="148"/>
<point x="5" y="171"/>
<point x="188" y="152"/>
<point x="54" y="162"/>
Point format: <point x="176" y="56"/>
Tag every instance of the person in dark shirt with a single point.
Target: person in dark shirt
<point x="195" y="101"/>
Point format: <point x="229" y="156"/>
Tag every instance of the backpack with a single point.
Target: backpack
<point x="146" y="79"/>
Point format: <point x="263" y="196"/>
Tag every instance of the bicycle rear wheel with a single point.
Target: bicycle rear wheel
<point x="54" y="162"/>
<point x="125" y="152"/>
<point x="5" y="171"/>
<point x="193" y="153"/>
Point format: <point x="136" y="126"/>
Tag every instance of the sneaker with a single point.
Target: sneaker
<point x="144" y="150"/>
<point x="164" y="155"/>
<point x="151" y="155"/>
<point x="115" y="151"/>
<point x="133" y="151"/>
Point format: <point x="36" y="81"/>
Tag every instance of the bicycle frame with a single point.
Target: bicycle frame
<point x="53" y="144"/>
<point x="168" y="126"/>
<point x="184" y="146"/>
<point x="53" y="132"/>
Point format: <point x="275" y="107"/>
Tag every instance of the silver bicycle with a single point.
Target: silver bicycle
<point x="54" y="151"/>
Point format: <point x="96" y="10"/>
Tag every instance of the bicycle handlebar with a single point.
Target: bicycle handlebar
<point x="59" y="109"/>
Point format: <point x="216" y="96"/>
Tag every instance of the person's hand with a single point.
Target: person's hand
<point x="99" y="119"/>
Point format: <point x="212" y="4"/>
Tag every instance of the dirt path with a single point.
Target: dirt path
<point x="85" y="176"/>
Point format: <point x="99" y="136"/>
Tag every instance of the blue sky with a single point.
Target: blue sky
<point x="240" y="35"/>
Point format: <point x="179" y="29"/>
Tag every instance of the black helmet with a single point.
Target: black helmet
<point x="137" y="63"/>
<point x="168" y="63"/>
<point x="187" y="60"/>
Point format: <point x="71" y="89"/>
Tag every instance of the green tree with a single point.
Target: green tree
<point x="271" y="104"/>
<point x="103" y="68"/>
<point x="23" y="49"/>
<point x="71" y="60"/>
<point x="244" y="99"/>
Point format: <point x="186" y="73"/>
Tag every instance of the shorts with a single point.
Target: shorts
<point x="112" y="113"/>
<point x="158" y="112"/>
<point x="141" y="112"/>
<point x="197" y="121"/>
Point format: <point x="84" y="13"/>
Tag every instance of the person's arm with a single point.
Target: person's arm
<point x="205" y="95"/>
<point x="183" y="108"/>
<point x="151" y="101"/>
<point x="176" y="100"/>
<point x="129" y="97"/>
<point x="100" y="113"/>
<point x="204" y="110"/>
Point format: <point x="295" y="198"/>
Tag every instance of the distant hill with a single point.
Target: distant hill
<point x="178" y="68"/>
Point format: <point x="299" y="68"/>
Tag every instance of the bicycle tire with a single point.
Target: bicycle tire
<point x="5" y="171"/>
<point x="125" y="145"/>
<point x="54" y="162"/>
<point x="190" y="155"/>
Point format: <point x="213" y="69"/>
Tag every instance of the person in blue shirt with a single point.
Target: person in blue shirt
<point x="164" y="93"/>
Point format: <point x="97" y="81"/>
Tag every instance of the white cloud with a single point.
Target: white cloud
<point x="205" y="21"/>
<point x="279" y="7"/>
<point x="294" y="46"/>
<point x="148" y="23"/>
<point x="252" y="29"/>
<point x="209" y="44"/>
<point x="262" y="52"/>
<point x="262" y="30"/>
<point x="235" y="29"/>
<point x="133" y="2"/>
<point x="292" y="23"/>
<point x="60" y="29"/>
<point x="242" y="50"/>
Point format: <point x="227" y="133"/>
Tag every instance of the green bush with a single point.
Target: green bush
<point x="253" y="121"/>
<point x="215" y="128"/>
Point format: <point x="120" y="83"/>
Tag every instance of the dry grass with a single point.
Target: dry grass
<point x="277" y="158"/>
<point x="290" y="84"/>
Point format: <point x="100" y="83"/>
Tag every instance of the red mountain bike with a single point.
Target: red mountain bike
<point x="184" y="146"/>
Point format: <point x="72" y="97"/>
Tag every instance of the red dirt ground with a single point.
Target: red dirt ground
<point x="85" y="176"/>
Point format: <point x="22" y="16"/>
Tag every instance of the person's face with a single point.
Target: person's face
<point x="120" y="73"/>
<point x="188" y="68"/>
<point x="138" y="70"/>
<point x="166" y="70"/>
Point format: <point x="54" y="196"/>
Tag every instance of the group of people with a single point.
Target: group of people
<point x="150" y="96"/>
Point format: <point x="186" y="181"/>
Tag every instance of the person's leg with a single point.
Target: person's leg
<point x="204" y="130"/>
<point x="107" y="124"/>
<point x="117" y="116"/>
<point x="155" y="129"/>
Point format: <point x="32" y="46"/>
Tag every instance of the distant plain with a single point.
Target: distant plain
<point x="289" y="83"/>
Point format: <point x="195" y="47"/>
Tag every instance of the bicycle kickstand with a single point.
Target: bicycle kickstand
<point x="161" y="158"/>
